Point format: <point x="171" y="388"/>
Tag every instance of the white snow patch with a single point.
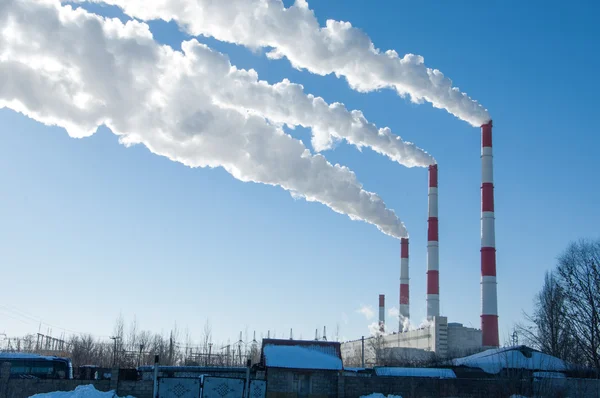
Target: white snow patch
<point x="87" y="391"/>
<point x="379" y="395"/>
<point x="416" y="372"/>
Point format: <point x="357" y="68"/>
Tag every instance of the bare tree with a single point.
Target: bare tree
<point x="118" y="335"/>
<point x="548" y="327"/>
<point x="579" y="273"/>
<point x="207" y="342"/>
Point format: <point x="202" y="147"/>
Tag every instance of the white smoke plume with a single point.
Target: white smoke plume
<point x="286" y="103"/>
<point x="375" y="329"/>
<point x="367" y="311"/>
<point x="405" y="324"/>
<point x="295" y="33"/>
<point x="77" y="70"/>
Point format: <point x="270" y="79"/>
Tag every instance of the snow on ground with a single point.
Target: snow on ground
<point x="87" y="391"/>
<point x="379" y="395"/>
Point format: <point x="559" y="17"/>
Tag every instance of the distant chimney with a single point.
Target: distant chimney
<point x="324" y="333"/>
<point x="382" y="313"/>
<point x="489" y="295"/>
<point x="433" y="254"/>
<point x="404" y="307"/>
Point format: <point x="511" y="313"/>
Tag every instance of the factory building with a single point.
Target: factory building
<point x="438" y="339"/>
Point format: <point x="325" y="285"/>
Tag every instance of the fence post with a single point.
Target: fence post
<point x="114" y="379"/>
<point x="4" y="376"/>
<point x="341" y="388"/>
<point x="247" y="389"/>
<point x="155" y="389"/>
<point x="362" y="355"/>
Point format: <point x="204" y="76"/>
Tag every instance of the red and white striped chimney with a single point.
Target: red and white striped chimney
<point x="489" y="299"/>
<point x="382" y="313"/>
<point x="433" y="254"/>
<point x="404" y="308"/>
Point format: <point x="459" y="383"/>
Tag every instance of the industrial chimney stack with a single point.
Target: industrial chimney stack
<point x="404" y="307"/>
<point x="382" y="313"/>
<point x="433" y="285"/>
<point x="489" y="300"/>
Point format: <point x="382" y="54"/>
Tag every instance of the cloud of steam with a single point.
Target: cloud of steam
<point x="76" y="70"/>
<point x="286" y="103"/>
<point x="375" y="329"/>
<point x="295" y="33"/>
<point x="367" y="311"/>
<point x="405" y="323"/>
<point x="402" y="321"/>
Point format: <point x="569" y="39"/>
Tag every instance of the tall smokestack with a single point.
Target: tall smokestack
<point x="489" y="299"/>
<point x="433" y="254"/>
<point x="404" y="307"/>
<point x="382" y="313"/>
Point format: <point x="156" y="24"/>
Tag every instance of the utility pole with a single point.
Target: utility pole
<point x="114" y="339"/>
<point x="140" y="357"/>
<point x="363" y="351"/>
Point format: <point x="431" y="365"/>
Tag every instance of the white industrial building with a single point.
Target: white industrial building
<point x="438" y="339"/>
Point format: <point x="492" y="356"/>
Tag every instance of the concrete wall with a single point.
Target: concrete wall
<point x="24" y="388"/>
<point x="463" y="341"/>
<point x="282" y="383"/>
<point x="301" y="383"/>
<point x="418" y="387"/>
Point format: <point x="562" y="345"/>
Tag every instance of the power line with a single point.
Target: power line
<point x="37" y="320"/>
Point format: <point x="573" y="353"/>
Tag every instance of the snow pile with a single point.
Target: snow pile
<point x="87" y="391"/>
<point x="416" y="372"/>
<point x="379" y="395"/>
<point x="521" y="357"/>
<point x="280" y="356"/>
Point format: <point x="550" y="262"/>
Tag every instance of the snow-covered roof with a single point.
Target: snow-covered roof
<point x="301" y="355"/>
<point x="416" y="372"/>
<point x="25" y="355"/>
<point x="518" y="357"/>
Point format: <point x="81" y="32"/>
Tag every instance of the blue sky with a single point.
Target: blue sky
<point x="91" y="229"/>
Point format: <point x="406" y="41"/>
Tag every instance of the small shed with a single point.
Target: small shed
<point x="305" y="368"/>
